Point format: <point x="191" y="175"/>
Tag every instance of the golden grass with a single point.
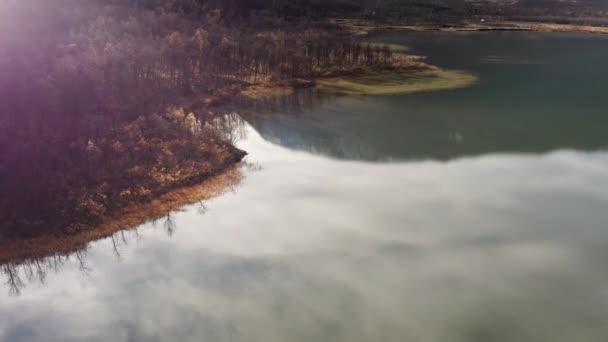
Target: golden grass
<point x="18" y="250"/>
<point x="397" y="82"/>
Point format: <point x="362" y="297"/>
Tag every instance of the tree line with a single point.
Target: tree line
<point x="93" y="113"/>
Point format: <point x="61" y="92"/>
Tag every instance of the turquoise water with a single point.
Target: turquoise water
<point x="538" y="92"/>
<point x="470" y="215"/>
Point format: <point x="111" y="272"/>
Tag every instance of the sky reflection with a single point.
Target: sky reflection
<point x="488" y="248"/>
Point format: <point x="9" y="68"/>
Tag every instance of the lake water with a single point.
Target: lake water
<point x="478" y="214"/>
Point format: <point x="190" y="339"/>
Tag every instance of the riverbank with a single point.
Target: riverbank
<point x="362" y="27"/>
<point x="135" y="176"/>
<point x="140" y="133"/>
<point x="406" y="74"/>
<point x="410" y="74"/>
<point x="19" y="250"/>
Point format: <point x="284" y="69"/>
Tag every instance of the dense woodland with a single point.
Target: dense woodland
<point x="107" y="103"/>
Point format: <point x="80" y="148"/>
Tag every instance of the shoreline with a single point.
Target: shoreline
<point x="410" y="74"/>
<point x="356" y="27"/>
<point x="20" y="250"/>
<point x="362" y="27"/>
<point x="407" y="74"/>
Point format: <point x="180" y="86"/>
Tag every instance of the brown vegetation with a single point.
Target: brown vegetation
<point x="108" y="104"/>
<point x="20" y="250"/>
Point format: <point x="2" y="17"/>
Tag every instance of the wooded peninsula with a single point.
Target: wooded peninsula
<point x="108" y="105"/>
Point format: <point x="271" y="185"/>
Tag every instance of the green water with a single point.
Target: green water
<point x="537" y="93"/>
<point x="460" y="216"/>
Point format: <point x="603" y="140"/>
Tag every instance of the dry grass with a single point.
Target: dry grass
<point x="18" y="250"/>
<point x="397" y="82"/>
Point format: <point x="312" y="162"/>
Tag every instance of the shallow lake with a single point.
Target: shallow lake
<point x="478" y="214"/>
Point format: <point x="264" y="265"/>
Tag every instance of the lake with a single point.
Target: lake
<point x="478" y="214"/>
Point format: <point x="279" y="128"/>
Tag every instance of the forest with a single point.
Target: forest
<point x="110" y="103"/>
<point x="107" y="104"/>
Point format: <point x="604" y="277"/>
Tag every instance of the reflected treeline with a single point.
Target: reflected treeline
<point x="300" y="101"/>
<point x="437" y="126"/>
<point x="285" y="120"/>
<point x="18" y="274"/>
<point x="230" y="126"/>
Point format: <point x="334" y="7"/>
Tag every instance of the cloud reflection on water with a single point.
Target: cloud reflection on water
<point x="494" y="247"/>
